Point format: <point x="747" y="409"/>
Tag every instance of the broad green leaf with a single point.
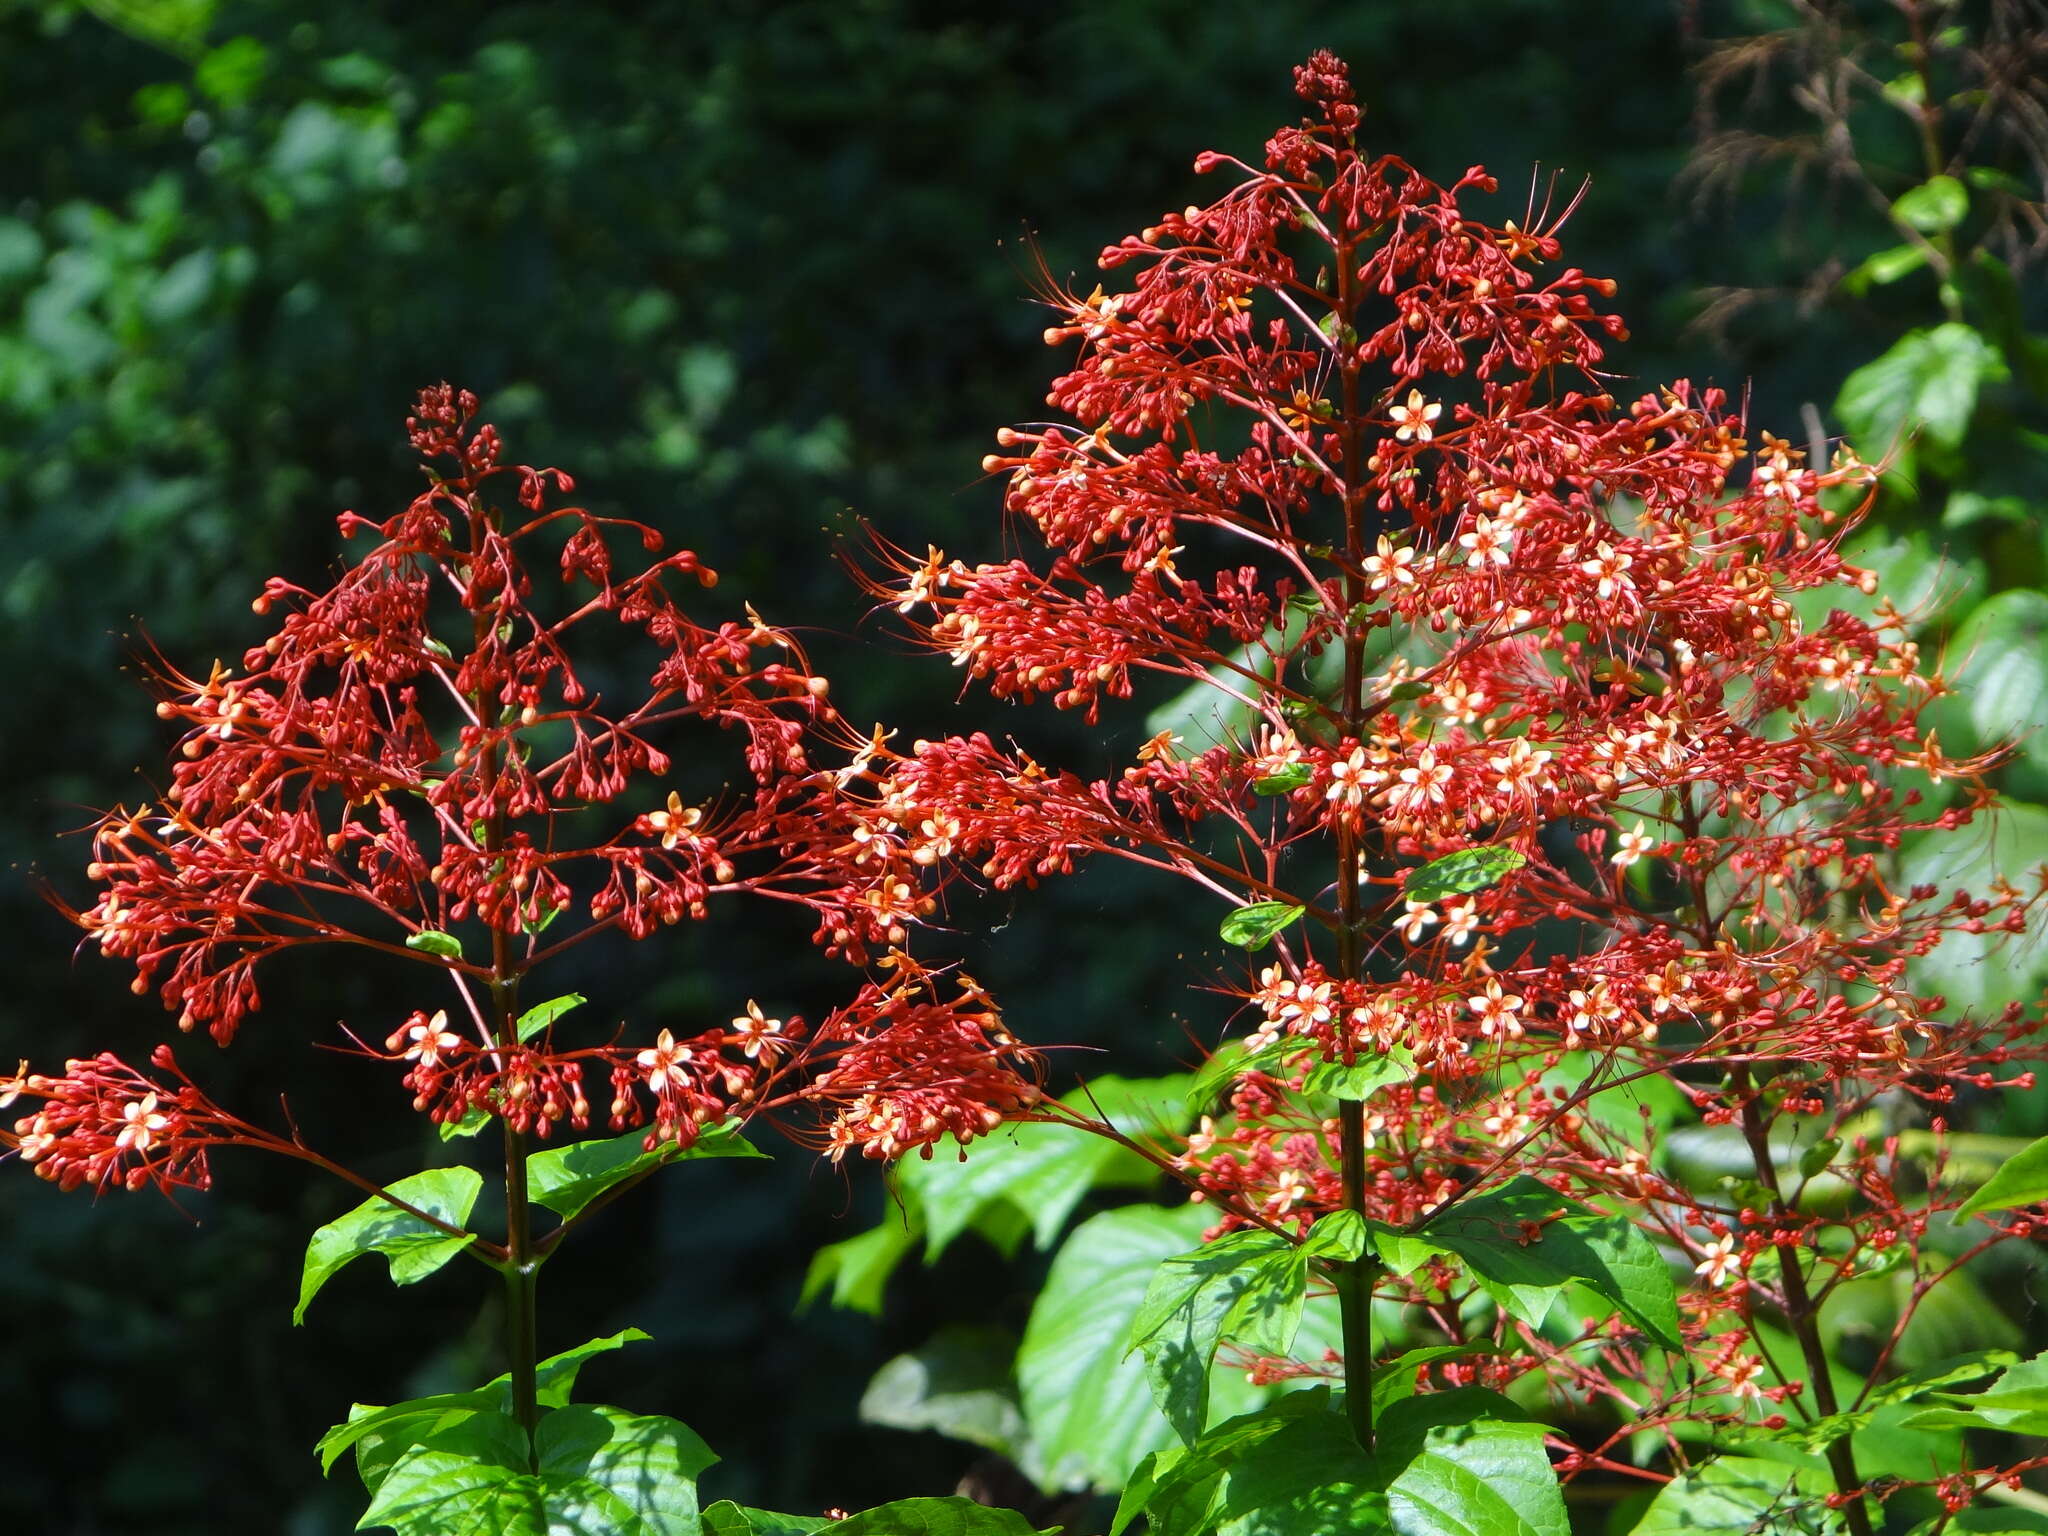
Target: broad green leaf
<point x="1231" y="1061"/>
<point x="1941" y="1374"/>
<point x="1886" y="266"/>
<point x="647" y="1463"/>
<point x="1044" y="1170"/>
<point x="1460" y="873"/>
<point x="726" y="1518"/>
<point x="959" y="1383"/>
<point x="1284" y="781"/>
<point x="413" y="1248"/>
<point x="1987" y="1519"/>
<point x="1088" y="1405"/>
<point x="541" y="1015"/>
<point x="1255" y="1280"/>
<point x="566" y="1179"/>
<point x="2017" y="1403"/>
<point x="1394" y="1379"/>
<point x="1196" y="1491"/>
<point x="432" y="941"/>
<point x="554" y="1379"/>
<point x="1929" y="378"/>
<point x="1361" y="1079"/>
<point x="1464" y="1470"/>
<point x="432" y="1492"/>
<point x="1525" y="1243"/>
<point x="1253" y="927"/>
<point x="1981" y="972"/>
<point x="932" y="1517"/>
<point x="2003" y="648"/>
<point x="1934" y="207"/>
<point x="1743" y="1496"/>
<point x="858" y="1268"/>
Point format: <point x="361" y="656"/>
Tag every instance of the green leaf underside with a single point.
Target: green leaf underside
<point x="1741" y="1496"/>
<point x="412" y="1247"/>
<point x="959" y="1383"/>
<point x="541" y="1015"/>
<point x="1253" y="926"/>
<point x="2021" y="1180"/>
<point x="1461" y="873"/>
<point x="566" y="1179"/>
<point x="1524" y="1243"/>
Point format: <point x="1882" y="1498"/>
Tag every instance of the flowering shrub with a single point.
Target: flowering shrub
<point x="412" y="766"/>
<point x="1574" y="829"/>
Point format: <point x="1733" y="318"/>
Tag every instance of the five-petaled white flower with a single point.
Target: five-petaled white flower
<point x="1630" y="846"/>
<point x="664" y="1062"/>
<point x="1498" y="1012"/>
<point x="1609" y="565"/>
<point x="761" y="1033"/>
<point x="1719" y="1261"/>
<point x="675" y="822"/>
<point x="1413" y="419"/>
<point x="1487" y="542"/>
<point x="142" y="1122"/>
<point x="1389" y="565"/>
<point x="1416" y="921"/>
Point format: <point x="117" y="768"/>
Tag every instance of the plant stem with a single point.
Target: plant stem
<point x="1354" y="1280"/>
<point x="1801" y="1315"/>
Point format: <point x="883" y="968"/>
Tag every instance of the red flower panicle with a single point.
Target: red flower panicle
<point x="1335" y="449"/>
<point x="411" y="764"/>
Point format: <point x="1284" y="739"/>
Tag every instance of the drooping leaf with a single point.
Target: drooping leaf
<point x="1467" y="1468"/>
<point x="648" y="1464"/>
<point x="1929" y="378"/>
<point x="414" y="1248"/>
<point x="959" y="1383"/>
<point x="1460" y="873"/>
<point x="1525" y="1243"/>
<point x="1253" y="927"/>
<point x="1045" y="1170"/>
<point x="1743" y="1495"/>
<point x="856" y="1269"/>
<point x="1248" y="1284"/>
<point x="541" y="1015"/>
<point x="566" y="1179"/>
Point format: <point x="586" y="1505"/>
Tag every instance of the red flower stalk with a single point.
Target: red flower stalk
<point x="1521" y="708"/>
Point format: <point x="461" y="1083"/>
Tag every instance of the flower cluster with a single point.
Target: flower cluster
<point x="1596" y="753"/>
<point x="411" y="765"/>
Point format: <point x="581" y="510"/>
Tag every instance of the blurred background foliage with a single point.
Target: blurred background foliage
<point x="750" y="272"/>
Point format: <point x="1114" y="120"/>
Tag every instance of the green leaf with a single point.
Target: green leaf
<point x="1089" y="1405"/>
<point x="1361" y="1079"/>
<point x="472" y="1121"/>
<point x="541" y="1015"/>
<point x="1929" y="377"/>
<point x="432" y="941"/>
<point x="2016" y="1403"/>
<point x="1934" y="207"/>
<point x="649" y="1464"/>
<point x="1456" y="874"/>
<point x="726" y="1518"/>
<point x="858" y="1268"/>
<point x="430" y="1492"/>
<point x="1466" y="1472"/>
<point x="1886" y="266"/>
<point x="1251" y="1284"/>
<point x="959" y="1383"/>
<point x="555" y="1377"/>
<point x="932" y="1517"/>
<point x="1981" y="972"/>
<point x="1231" y="1061"/>
<point x="2004" y="647"/>
<point x="413" y="1248"/>
<point x="1043" y="1171"/>
<point x="2022" y="1181"/>
<point x="566" y="1179"/>
<point x="1253" y="927"/>
<point x="1525" y="1243"/>
<point x="1742" y="1496"/>
<point x="1285" y="780"/>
